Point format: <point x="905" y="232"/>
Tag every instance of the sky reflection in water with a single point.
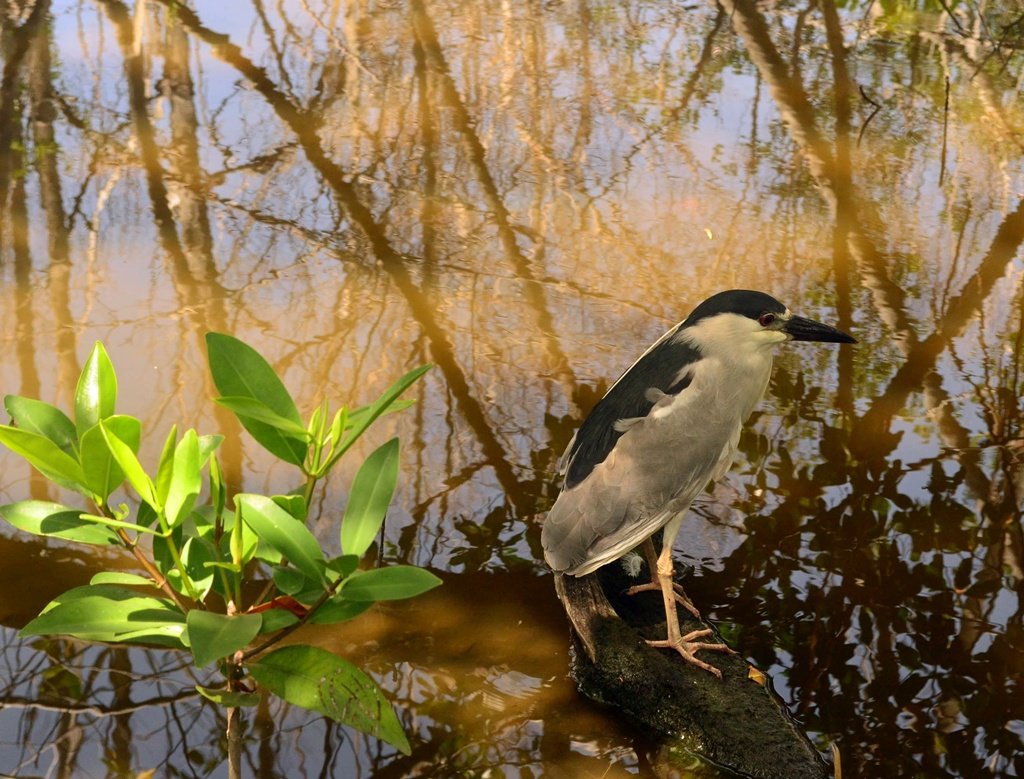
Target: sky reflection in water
<point x="527" y="196"/>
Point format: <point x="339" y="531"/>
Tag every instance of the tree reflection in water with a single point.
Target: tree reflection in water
<point x="524" y="194"/>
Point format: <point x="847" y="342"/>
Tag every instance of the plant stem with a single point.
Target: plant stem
<point x="320" y="416"/>
<point x="229" y="594"/>
<point x="264" y="593"/>
<point x="145" y="562"/>
<point x="234" y="721"/>
<point x="159" y="578"/>
<point x="234" y="743"/>
<point x="165" y="531"/>
<point x="307" y="493"/>
<point x="295" y="626"/>
<point x="237" y="544"/>
<point x="176" y="557"/>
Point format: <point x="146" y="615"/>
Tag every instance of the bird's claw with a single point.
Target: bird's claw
<point x="677" y="591"/>
<point x="687" y="647"/>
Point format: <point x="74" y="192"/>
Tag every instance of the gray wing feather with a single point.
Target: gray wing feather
<point x="580" y="520"/>
<point x="630" y="494"/>
<point x="661" y="372"/>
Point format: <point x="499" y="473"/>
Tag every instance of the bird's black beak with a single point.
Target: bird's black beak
<point x="800" y="329"/>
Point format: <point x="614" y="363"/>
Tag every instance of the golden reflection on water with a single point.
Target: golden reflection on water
<point x="481" y="650"/>
<point x="526" y="195"/>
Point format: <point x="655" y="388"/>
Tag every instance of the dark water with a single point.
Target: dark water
<point x="527" y="194"/>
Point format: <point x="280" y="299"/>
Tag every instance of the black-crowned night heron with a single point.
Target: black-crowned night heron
<point x="669" y="426"/>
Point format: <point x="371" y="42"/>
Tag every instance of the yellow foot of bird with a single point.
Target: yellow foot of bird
<point x="687" y="647"/>
<point x="677" y="590"/>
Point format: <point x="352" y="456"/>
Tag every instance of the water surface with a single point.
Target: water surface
<point x="526" y="195"/>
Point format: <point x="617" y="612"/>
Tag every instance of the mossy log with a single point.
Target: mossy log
<point x="736" y="722"/>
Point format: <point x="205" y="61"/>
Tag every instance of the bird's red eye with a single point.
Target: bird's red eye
<point x="765" y="319"/>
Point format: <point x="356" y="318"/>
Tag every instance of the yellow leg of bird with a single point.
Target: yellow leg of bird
<point x="687" y="646"/>
<point x="655" y="583"/>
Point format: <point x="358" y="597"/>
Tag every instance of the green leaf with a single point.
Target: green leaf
<point x="146" y="516"/>
<point x="213" y="636"/>
<point x="392" y="583"/>
<point x="169" y="634"/>
<point x="96" y="393"/>
<point x="208" y="444"/>
<point x="106" y="612"/>
<point x="122" y="577"/>
<point x="102" y="473"/>
<point x="218" y="491"/>
<point x="267" y="553"/>
<point x="238" y="370"/>
<point x="165" y="468"/>
<point x="343" y="565"/>
<point x="164" y="558"/>
<point x="226" y="566"/>
<point x="337" y="610"/>
<point x="239" y="547"/>
<point x="131" y="466"/>
<point x="257" y="411"/>
<point x="320" y="681"/>
<point x="229" y="699"/>
<point x="117" y="523"/>
<point x="197" y="555"/>
<point x="284" y="533"/>
<point x="186" y="479"/>
<point x="369" y="499"/>
<point x="42" y="518"/>
<point x="46" y="457"/>
<point x="338" y="426"/>
<point x="277" y="619"/>
<point x="44" y="419"/>
<point x="203" y="517"/>
<point x="293" y="504"/>
<point x="289" y="580"/>
<point x="364" y="417"/>
<point x="356" y="416"/>
<point x="60" y="682"/>
<point x="313" y="428"/>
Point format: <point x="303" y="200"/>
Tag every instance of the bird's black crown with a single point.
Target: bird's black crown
<point x="745" y="302"/>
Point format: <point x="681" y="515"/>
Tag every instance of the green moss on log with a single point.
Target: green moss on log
<point x="734" y="722"/>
